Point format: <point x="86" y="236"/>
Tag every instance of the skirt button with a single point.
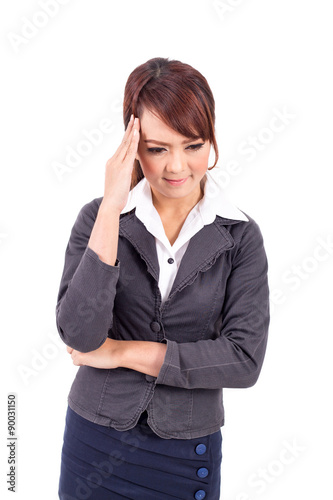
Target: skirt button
<point x="200" y="495"/>
<point x="200" y="449"/>
<point x="202" y="472"/>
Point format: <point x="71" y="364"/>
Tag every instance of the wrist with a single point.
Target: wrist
<point x="142" y="356"/>
<point x="107" y="207"/>
<point x="119" y="353"/>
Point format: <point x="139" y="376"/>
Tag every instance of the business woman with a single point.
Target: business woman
<point x="163" y="302"/>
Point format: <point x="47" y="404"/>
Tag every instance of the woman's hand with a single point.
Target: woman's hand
<point x="104" y="235"/>
<point x="103" y="357"/>
<point x="119" y="168"/>
<point x="140" y="355"/>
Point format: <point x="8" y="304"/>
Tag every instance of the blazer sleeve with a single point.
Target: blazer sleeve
<point x="235" y="358"/>
<point x="87" y="288"/>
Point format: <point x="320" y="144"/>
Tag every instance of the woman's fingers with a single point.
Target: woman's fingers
<point x="119" y="168"/>
<point x="128" y="147"/>
<point x="132" y="144"/>
<point x="124" y="143"/>
<point x="75" y="355"/>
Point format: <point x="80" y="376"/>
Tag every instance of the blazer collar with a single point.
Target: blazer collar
<point x="203" y="249"/>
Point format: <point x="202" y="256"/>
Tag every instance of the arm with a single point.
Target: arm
<point x="88" y="285"/>
<point x="235" y="358"/>
<point x="87" y="289"/>
<point x="105" y="233"/>
<point x="142" y="356"/>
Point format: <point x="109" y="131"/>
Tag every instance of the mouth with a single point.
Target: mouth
<point x="176" y="182"/>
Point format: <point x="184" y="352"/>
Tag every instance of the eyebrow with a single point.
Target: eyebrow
<point x="166" y="144"/>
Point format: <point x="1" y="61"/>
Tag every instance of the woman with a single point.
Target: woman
<point x="163" y="301"/>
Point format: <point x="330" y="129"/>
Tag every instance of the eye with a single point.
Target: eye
<point x="195" y="147"/>
<point x="155" y="150"/>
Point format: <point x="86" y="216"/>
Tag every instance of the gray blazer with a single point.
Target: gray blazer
<point x="214" y="322"/>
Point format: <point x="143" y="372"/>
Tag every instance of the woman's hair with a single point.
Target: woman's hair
<point x="178" y="94"/>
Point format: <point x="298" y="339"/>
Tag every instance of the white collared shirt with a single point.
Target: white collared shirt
<point x="213" y="203"/>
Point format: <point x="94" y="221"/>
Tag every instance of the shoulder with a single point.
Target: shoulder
<point x="87" y="214"/>
<point x="91" y="208"/>
<point x="243" y="233"/>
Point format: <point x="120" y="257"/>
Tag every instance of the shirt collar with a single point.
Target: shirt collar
<point x="138" y="196"/>
<point x="214" y="201"/>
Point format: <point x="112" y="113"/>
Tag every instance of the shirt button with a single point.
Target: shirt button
<point x="200" y="495"/>
<point x="171" y="261"/>
<point x="202" y="472"/>
<point x="200" y="449"/>
<point x="156" y="327"/>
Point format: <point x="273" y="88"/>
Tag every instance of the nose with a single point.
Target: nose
<point x="176" y="163"/>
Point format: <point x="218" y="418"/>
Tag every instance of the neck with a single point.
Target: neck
<point x="174" y="206"/>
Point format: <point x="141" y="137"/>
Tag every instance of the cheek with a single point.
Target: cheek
<point x="150" y="167"/>
<point x="200" y="163"/>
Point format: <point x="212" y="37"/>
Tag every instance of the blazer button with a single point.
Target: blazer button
<point x="200" y="495"/>
<point x="156" y="327"/>
<point x="200" y="449"/>
<point x="202" y="472"/>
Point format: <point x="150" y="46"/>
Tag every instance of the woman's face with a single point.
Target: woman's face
<point x="172" y="164"/>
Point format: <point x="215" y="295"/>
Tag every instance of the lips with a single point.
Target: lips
<point x="176" y="182"/>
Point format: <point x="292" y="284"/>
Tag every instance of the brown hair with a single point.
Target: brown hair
<point x="178" y="94"/>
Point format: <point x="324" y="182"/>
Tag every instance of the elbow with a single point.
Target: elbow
<point x="246" y="372"/>
<point x="248" y="378"/>
<point x="67" y="330"/>
<point x="73" y="336"/>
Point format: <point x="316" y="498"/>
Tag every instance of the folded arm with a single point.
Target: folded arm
<point x="145" y="357"/>
<point x="234" y="359"/>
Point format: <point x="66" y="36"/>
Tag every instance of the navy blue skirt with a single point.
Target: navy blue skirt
<point x="100" y="463"/>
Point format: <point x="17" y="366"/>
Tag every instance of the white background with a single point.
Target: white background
<point x="66" y="76"/>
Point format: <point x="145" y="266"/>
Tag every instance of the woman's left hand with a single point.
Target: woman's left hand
<point x="103" y="357"/>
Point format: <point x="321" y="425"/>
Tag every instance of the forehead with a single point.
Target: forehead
<point x="152" y="127"/>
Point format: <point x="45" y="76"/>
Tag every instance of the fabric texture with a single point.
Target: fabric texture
<point x="214" y="322"/>
<point x="100" y="463"/>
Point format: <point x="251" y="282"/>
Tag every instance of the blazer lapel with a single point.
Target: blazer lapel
<point x="135" y="232"/>
<point x="203" y="249"/>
